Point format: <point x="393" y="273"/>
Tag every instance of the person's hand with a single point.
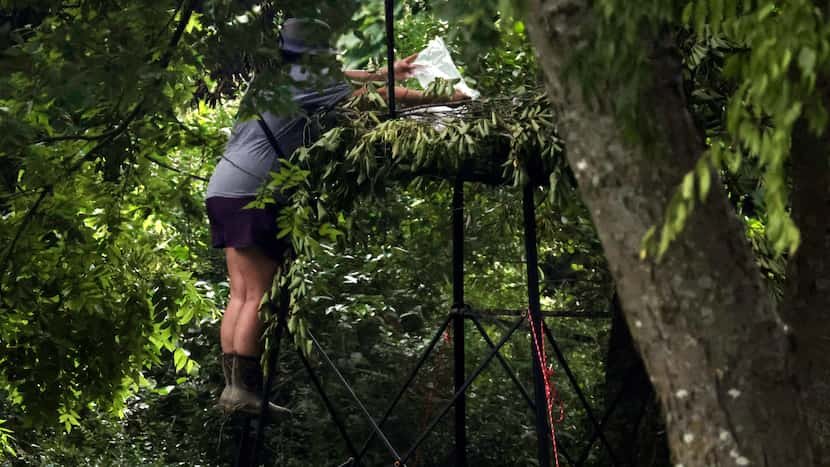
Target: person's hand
<point x="459" y="96"/>
<point x="404" y="68"/>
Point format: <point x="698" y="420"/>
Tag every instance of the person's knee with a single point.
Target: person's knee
<point x="236" y="276"/>
<point x="253" y="299"/>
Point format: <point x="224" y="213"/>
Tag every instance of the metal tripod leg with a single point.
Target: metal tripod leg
<point x="341" y="427"/>
<point x="249" y="450"/>
<point x="459" y="372"/>
<point x="543" y="431"/>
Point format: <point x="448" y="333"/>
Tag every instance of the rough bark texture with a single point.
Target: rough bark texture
<point x="635" y="427"/>
<point x="716" y="351"/>
<point x="807" y="291"/>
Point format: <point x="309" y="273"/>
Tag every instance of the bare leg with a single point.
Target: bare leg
<point x="257" y="271"/>
<point x="235" y="302"/>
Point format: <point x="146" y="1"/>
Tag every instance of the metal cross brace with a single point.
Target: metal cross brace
<point x="598" y="430"/>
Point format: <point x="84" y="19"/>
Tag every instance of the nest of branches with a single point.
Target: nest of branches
<point x="497" y="141"/>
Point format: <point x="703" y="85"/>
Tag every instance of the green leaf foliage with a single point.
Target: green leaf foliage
<point x="112" y="116"/>
<point x="755" y="69"/>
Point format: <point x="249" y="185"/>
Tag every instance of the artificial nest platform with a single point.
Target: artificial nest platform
<point x="497" y="141"/>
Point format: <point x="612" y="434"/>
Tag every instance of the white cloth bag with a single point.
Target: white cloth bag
<point x="435" y="62"/>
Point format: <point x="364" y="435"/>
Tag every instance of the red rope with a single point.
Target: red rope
<point x="551" y="394"/>
<point x="426" y="413"/>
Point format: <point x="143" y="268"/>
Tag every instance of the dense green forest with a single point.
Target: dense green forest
<point x="680" y="163"/>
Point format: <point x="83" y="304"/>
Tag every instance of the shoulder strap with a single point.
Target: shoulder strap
<point x="268" y="134"/>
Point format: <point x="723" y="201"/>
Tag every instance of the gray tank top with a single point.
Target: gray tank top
<point x="249" y="157"/>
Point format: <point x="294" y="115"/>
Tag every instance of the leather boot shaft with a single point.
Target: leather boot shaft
<point x="246" y="388"/>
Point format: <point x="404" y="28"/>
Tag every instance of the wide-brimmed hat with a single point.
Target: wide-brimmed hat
<point x="306" y="36"/>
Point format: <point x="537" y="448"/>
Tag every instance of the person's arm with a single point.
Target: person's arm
<point x="403" y="70"/>
<point x="364" y="75"/>
<point x="406" y="96"/>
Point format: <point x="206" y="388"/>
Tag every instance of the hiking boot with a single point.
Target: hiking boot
<point x="227" y="370"/>
<point x="246" y="387"/>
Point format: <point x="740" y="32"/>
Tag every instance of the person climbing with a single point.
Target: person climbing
<point x="249" y="236"/>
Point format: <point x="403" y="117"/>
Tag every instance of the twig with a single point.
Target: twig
<point x="169" y="21"/>
<point x="23" y="225"/>
<point x="55" y="139"/>
<point x="174" y="169"/>
<point x="472" y="107"/>
<point x="416" y="108"/>
<point x="177" y="35"/>
<point x="19" y="194"/>
<point x="117" y="131"/>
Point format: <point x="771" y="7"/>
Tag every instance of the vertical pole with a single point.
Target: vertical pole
<point x="390" y="55"/>
<point x="458" y="320"/>
<point x="542" y="429"/>
<point x="285" y="296"/>
<point x="244" y="453"/>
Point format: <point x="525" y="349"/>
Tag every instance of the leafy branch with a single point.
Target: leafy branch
<point x="105" y="139"/>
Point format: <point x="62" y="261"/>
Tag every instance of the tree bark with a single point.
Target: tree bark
<point x="712" y="342"/>
<point x="635" y="427"/>
<point x="806" y="303"/>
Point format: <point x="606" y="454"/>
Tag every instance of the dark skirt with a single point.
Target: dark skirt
<point x="231" y="225"/>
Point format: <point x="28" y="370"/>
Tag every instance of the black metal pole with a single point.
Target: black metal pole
<point x="505" y="365"/>
<point x="432" y="343"/>
<point x="329" y="405"/>
<point x="587" y="450"/>
<point x="246" y="456"/>
<point x="273" y="358"/>
<point x="244" y="453"/>
<point x="458" y="321"/>
<point x="390" y="55"/>
<point x="542" y="428"/>
<point x="356" y="399"/>
<point x="460" y="392"/>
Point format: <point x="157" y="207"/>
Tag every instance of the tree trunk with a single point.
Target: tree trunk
<point x="714" y="347"/>
<point x="807" y="290"/>
<point x="635" y="427"/>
